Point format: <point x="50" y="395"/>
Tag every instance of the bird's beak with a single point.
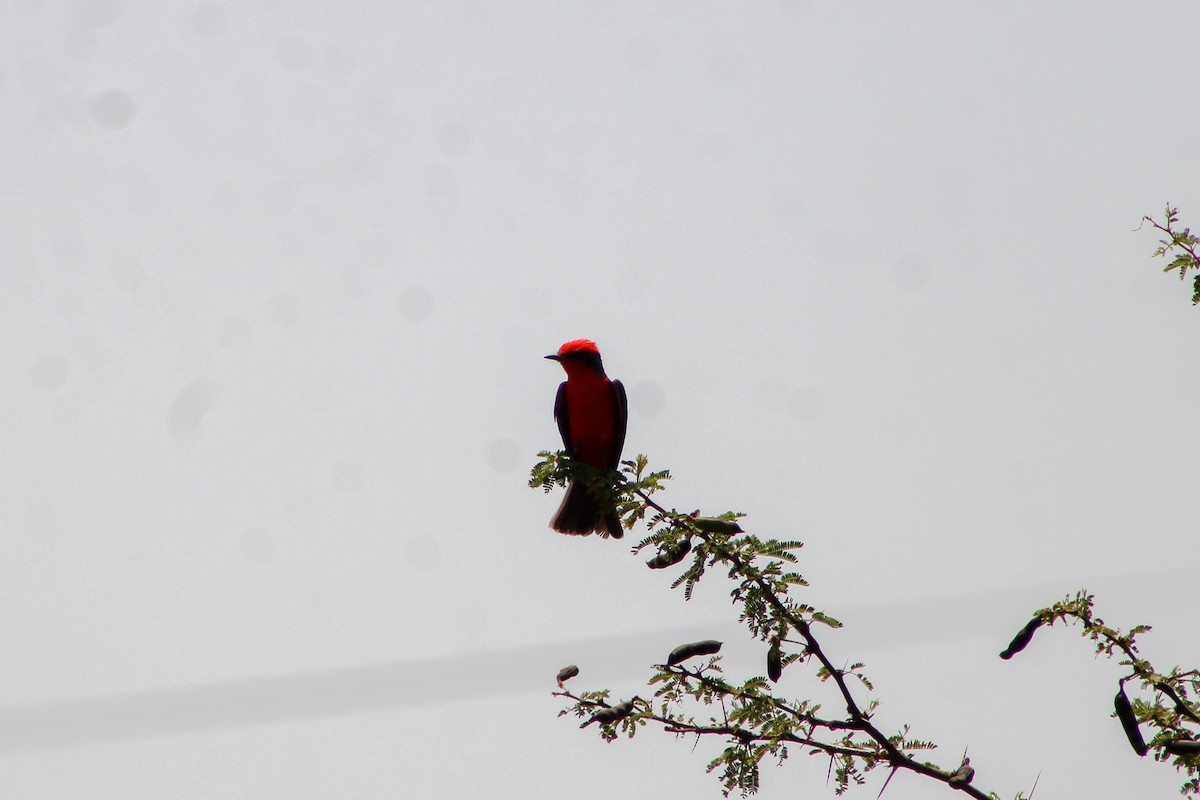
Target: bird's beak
<point x="554" y="358"/>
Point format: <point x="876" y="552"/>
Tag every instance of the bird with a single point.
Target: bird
<point x="592" y="413"/>
<point x="964" y="775"/>
<point x="610" y="714"/>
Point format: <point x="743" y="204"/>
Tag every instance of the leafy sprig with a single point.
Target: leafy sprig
<point x="1180" y="243"/>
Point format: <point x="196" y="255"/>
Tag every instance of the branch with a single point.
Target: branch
<point x="1173" y="711"/>
<point x="756" y="722"/>
<point x="1183" y="242"/>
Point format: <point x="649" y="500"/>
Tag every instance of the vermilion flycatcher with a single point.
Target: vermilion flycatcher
<point x="591" y="412"/>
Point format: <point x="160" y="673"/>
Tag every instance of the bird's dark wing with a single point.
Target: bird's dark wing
<point x="622" y="406"/>
<point x="560" y="415"/>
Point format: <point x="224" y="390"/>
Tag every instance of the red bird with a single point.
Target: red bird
<point x="591" y="412"/>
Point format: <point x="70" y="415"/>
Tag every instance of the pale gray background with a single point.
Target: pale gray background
<point x="275" y="283"/>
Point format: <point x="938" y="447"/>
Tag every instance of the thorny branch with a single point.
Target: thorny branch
<point x="756" y="722"/>
<point x="1172" y="710"/>
<point x="857" y="719"/>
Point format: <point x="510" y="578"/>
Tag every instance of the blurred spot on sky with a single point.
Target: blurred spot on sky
<point x="143" y="192"/>
<point x="366" y="164"/>
<point x="214" y="767"/>
<point x="79" y="45"/>
<point x="910" y="272"/>
<point x="786" y="203"/>
<point x="454" y="139"/>
<point x="442" y="191"/>
<point x="534" y="302"/>
<point x="772" y="393"/>
<point x="41" y="519"/>
<point x="69" y="409"/>
<point x="631" y="284"/>
<point x="715" y="147"/>
<point x="68" y="246"/>
<point x="107" y="367"/>
<point x="423" y="552"/>
<point x="502" y="454"/>
<point x="349" y="475"/>
<point x="832" y="247"/>
<point x="500" y="224"/>
<point x="97" y="13"/>
<point x="12" y="615"/>
<point x="355" y="281"/>
<point x="284" y="309"/>
<point x="415" y="303"/>
<point x="49" y="372"/>
<point x="209" y="522"/>
<point x="113" y="109"/>
<point x="647" y="398"/>
<point x="294" y="53"/>
<point x="727" y="67"/>
<point x="258" y="545"/>
<point x="806" y="403"/>
<point x="792" y="8"/>
<point x="209" y="20"/>
<point x="189" y="407"/>
<point x="235" y="333"/>
<point x="299" y="508"/>
<point x="470" y="621"/>
<point x="338" y="63"/>
<point x="316" y="393"/>
<point x="278" y="196"/>
<point x="641" y="55"/>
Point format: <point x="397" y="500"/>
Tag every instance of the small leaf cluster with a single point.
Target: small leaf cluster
<point x="619" y="489"/>
<point x="1180" y="243"/>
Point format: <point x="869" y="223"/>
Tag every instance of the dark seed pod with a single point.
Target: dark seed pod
<point x="686" y="651"/>
<point x="1182" y="747"/>
<point x="566" y="673"/>
<point x="774" y="662"/>
<point x="714" y="525"/>
<point x="1021" y="639"/>
<point x="669" y="556"/>
<point x="1180" y="706"/>
<point x="1129" y="722"/>
<point x="612" y="714"/>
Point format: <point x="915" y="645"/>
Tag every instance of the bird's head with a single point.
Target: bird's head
<point x="579" y="357"/>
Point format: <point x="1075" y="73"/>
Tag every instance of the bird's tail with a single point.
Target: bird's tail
<point x="579" y="514"/>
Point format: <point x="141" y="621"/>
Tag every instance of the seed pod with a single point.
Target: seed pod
<point x="1182" y="747"/>
<point x="964" y="775"/>
<point x="1180" y="706"/>
<point x="669" y="556"/>
<point x="774" y="662"/>
<point x="612" y="714"/>
<point x="1129" y="722"/>
<point x="1021" y="639"/>
<point x="566" y="673"/>
<point x="686" y="651"/>
<point x="714" y="525"/>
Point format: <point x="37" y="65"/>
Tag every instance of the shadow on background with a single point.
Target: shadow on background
<point x="993" y="615"/>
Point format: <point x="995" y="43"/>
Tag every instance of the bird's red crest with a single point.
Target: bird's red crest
<point x="578" y="346"/>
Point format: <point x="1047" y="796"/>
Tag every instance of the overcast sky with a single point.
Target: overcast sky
<point x="276" y="280"/>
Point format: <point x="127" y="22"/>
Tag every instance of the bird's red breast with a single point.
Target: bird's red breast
<point x="593" y="418"/>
